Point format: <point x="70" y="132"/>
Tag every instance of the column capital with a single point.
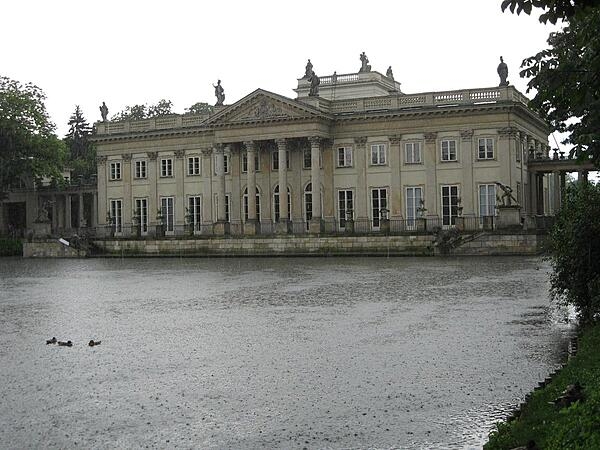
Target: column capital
<point x="152" y="155"/>
<point x="250" y="146"/>
<point x="218" y="148"/>
<point x="281" y="143"/>
<point x="101" y="160"/>
<point x="466" y="135"/>
<point x="179" y="154"/>
<point x="126" y="157"/>
<point x="360" y="141"/>
<point x="507" y="132"/>
<point x="206" y="151"/>
<point x="395" y="139"/>
<point x="430" y="137"/>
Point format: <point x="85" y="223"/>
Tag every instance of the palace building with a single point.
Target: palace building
<point x="350" y="150"/>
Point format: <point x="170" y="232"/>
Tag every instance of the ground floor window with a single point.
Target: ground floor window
<point x="246" y="216"/>
<point x="414" y="201"/>
<point x="194" y="212"/>
<point x="449" y="205"/>
<point x="167" y="211"/>
<point x="345" y="207"/>
<point x="379" y="206"/>
<point x="487" y="200"/>
<point x="141" y="214"/>
<point x="116" y="215"/>
<point x="276" y="205"/>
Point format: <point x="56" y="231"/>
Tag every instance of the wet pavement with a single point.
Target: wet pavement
<point x="270" y="352"/>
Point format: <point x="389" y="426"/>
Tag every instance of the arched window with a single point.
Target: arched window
<point x="276" y="208"/>
<point x="308" y="204"/>
<point x="246" y="205"/>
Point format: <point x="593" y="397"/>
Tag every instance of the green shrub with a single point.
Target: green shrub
<point x="11" y="247"/>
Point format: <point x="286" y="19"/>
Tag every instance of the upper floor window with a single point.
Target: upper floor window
<point x="275" y="160"/>
<point x="448" y="150"/>
<point x="412" y="153"/>
<point x="307" y="158"/>
<point x="193" y="165"/>
<point x="245" y="162"/>
<point x="115" y="170"/>
<point x="344" y="157"/>
<point x="166" y="167"/>
<point x="225" y="163"/>
<point x="140" y="169"/>
<point x="486" y="148"/>
<point x="378" y="154"/>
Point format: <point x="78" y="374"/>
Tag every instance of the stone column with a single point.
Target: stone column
<point x="539" y="190"/>
<point x="469" y="202"/>
<point x="54" y="214"/>
<point x="127" y="208"/>
<point x="219" y="152"/>
<point x="102" y="200"/>
<point x="207" y="187"/>
<point x="430" y="159"/>
<point x="250" y="225"/>
<point x="80" y="218"/>
<point x="68" y="212"/>
<point x="361" y="208"/>
<point x="556" y="191"/>
<point x="179" y="191"/>
<point x="152" y="193"/>
<point x="282" y="227"/>
<point x="395" y="200"/>
<point x="315" y="179"/>
<point x="94" y="210"/>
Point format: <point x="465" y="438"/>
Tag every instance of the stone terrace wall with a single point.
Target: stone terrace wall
<point x="50" y="249"/>
<point x="501" y="244"/>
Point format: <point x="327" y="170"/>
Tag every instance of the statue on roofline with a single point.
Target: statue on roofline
<point x="308" y="71"/>
<point x="314" y="84"/>
<point x="365" y="67"/>
<point x="103" y="111"/>
<point x="219" y="93"/>
<point x="503" y="72"/>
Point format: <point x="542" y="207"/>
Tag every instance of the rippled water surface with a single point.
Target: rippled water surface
<point x="270" y="353"/>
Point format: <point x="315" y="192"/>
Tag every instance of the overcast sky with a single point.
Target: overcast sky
<point x="131" y="52"/>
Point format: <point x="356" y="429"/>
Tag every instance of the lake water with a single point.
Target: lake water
<point x="270" y="352"/>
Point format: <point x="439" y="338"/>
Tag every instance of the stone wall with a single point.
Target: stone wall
<point x="501" y="244"/>
<point x="50" y="249"/>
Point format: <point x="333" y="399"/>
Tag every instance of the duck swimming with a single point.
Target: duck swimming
<point x="51" y="341"/>
<point x="65" y="344"/>
<point x="93" y="342"/>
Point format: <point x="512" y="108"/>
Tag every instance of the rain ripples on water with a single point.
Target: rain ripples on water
<point x="271" y="353"/>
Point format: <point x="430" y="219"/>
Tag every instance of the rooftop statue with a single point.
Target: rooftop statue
<point x="314" y="84"/>
<point x="219" y="93"/>
<point x="365" y="67"/>
<point x="389" y="73"/>
<point x="308" y="71"/>
<point x="104" y="111"/>
<point x="503" y="72"/>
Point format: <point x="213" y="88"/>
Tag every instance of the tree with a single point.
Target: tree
<point x="82" y="156"/>
<point x="200" y="108"/>
<point x="565" y="76"/>
<point x="28" y="146"/>
<point x="162" y="108"/>
<point x="140" y="112"/>
<point x="574" y="244"/>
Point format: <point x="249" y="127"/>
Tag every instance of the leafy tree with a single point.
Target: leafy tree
<point x="139" y="112"/>
<point x="82" y="155"/>
<point x="28" y="145"/>
<point x="162" y="108"/>
<point x="200" y="108"/>
<point x="575" y="250"/>
<point x="565" y="76"/>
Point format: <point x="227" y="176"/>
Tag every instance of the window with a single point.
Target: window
<point x="449" y="205"/>
<point x="116" y="215"/>
<point x="245" y="162"/>
<point x="308" y="204"/>
<point x="141" y="214"/>
<point x="193" y="165"/>
<point x="344" y="157"/>
<point x="275" y="159"/>
<point x="225" y="163"/>
<point x="307" y="158"/>
<point x="167" y="213"/>
<point x="227" y="207"/>
<point x="194" y="212"/>
<point x="115" y="170"/>
<point x="166" y="167"/>
<point x="412" y="153"/>
<point x="276" y="205"/>
<point x="486" y="148"/>
<point x="487" y="200"/>
<point x="246" y="216"/>
<point x="140" y="169"/>
<point x="414" y="205"/>
<point x="345" y="207"/>
<point x="519" y="199"/>
<point x="378" y="154"/>
<point x="378" y="206"/>
<point x="448" y="150"/>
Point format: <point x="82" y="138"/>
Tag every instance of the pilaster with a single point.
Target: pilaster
<point x="102" y="200"/>
<point x="430" y="160"/>
<point x="152" y="194"/>
<point x="395" y="200"/>
<point x="467" y="155"/>
<point x="179" y="188"/>
<point x="315" y="179"/>
<point x="127" y="207"/>
<point x="362" y="161"/>
<point x="282" y="172"/>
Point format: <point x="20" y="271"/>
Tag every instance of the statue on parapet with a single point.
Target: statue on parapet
<point x="507" y="198"/>
<point x="365" y="67"/>
<point x="503" y="72"/>
<point x="104" y="111"/>
<point x="314" y="84"/>
<point x="389" y="73"/>
<point x="308" y="71"/>
<point x="219" y="93"/>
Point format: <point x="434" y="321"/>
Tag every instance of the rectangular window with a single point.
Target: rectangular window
<point x="275" y="160"/>
<point x="412" y="153"/>
<point x="140" y="214"/>
<point x="140" y="169"/>
<point x="307" y="158"/>
<point x="486" y="148"/>
<point x="193" y="165"/>
<point x="115" y="170"/>
<point x="449" y="205"/>
<point x="378" y="154"/>
<point x="168" y="213"/>
<point x="166" y="167"/>
<point x="448" y="150"/>
<point x="344" y="157"/>
<point x="116" y="215"/>
<point x="227" y="207"/>
<point x="245" y="162"/>
<point x="519" y="194"/>
<point x="345" y="207"/>
<point x="487" y="200"/>
<point x="414" y="205"/>
<point x="225" y="163"/>
<point x="194" y="212"/>
<point x="379" y="202"/>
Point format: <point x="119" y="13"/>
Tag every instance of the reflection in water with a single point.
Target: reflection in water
<point x="275" y="353"/>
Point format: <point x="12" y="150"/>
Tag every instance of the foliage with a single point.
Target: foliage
<point x="162" y="108"/>
<point x="565" y="75"/>
<point x="82" y="155"/>
<point x="199" y="108"/>
<point x="11" y="247"/>
<point x="574" y="427"/>
<point x="28" y="146"/>
<point x="574" y="245"/>
<point x="140" y="112"/>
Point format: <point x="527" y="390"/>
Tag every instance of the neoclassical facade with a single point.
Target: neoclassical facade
<point x="353" y="150"/>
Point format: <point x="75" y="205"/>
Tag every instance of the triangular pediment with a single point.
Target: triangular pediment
<point x="263" y="106"/>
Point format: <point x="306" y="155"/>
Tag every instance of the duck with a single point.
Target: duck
<point x="51" y="341"/>
<point x="65" y="344"/>
<point x="93" y="342"/>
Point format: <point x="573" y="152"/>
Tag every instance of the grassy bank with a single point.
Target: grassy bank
<point x="10" y="247"/>
<point x="573" y="427"/>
